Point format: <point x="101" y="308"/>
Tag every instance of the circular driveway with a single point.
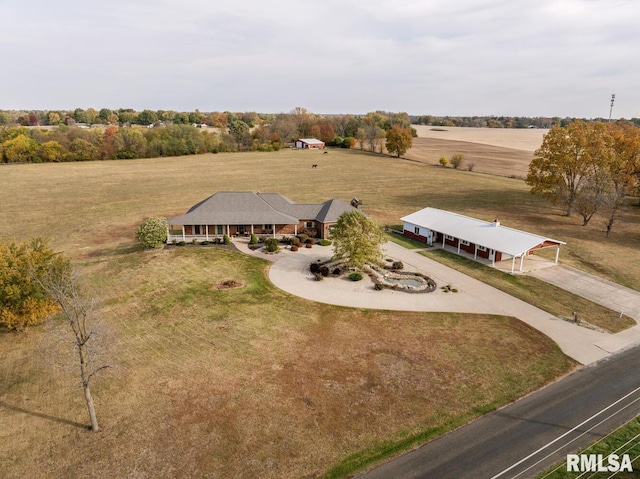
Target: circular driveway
<point x="290" y="272"/>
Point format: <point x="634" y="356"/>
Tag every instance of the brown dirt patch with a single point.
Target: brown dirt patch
<point x="230" y="284"/>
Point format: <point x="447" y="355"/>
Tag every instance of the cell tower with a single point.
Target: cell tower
<point x="613" y="97"/>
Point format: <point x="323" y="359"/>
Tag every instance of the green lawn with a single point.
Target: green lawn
<point x="624" y="440"/>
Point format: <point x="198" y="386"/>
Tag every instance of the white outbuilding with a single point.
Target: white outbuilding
<point x="309" y="143"/>
<point x="482" y="239"/>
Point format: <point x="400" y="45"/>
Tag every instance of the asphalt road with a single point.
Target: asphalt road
<point x="534" y="433"/>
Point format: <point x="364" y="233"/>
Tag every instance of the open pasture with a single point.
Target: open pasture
<point x="90" y="210"/>
<point x="252" y="382"/>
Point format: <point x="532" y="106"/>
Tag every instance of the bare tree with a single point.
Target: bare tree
<point x="84" y="327"/>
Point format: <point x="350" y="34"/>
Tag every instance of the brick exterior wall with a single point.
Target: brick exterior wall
<point x="411" y="234"/>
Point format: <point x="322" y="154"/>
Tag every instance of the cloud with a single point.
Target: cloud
<point x="463" y="57"/>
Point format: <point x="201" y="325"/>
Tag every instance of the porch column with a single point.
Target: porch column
<point x="228" y="231"/>
<point x="521" y="261"/>
<point x="513" y="263"/>
<point x="458" y="245"/>
<point x="493" y="260"/>
<point x="183" y="237"/>
<point x="443" y="236"/>
<point x="557" y="253"/>
<point x="251" y="229"/>
<point x="206" y="231"/>
<point x="295" y="230"/>
<point x="475" y="251"/>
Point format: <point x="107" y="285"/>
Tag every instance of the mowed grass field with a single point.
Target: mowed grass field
<point x="253" y="382"/>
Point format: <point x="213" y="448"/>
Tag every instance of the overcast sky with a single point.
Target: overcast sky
<point x="441" y="57"/>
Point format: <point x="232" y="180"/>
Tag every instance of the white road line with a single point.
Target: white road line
<point x="563" y="435"/>
<point x="576" y="438"/>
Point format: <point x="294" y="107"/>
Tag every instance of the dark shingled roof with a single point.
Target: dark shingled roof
<point x="237" y="208"/>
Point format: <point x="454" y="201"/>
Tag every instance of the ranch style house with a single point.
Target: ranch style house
<point x="479" y="238"/>
<point x="264" y="214"/>
<point x="309" y="143"/>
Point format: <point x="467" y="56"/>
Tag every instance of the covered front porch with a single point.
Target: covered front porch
<point x="200" y="233"/>
<point x="522" y="263"/>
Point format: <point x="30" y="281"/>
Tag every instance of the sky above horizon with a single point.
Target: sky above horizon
<point x="459" y="58"/>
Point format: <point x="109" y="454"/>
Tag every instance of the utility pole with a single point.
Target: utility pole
<point x="613" y="97"/>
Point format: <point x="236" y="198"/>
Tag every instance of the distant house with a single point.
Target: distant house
<point x="309" y="143"/>
<point x="479" y="238"/>
<point x="244" y="213"/>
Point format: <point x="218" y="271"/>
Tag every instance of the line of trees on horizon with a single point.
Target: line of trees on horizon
<point x="505" y="121"/>
<point x="129" y="116"/>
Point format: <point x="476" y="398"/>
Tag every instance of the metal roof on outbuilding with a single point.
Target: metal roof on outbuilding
<point x="483" y="233"/>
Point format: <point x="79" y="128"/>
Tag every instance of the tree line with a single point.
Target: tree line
<point x="145" y="135"/>
<point x="501" y="121"/>
<point x="588" y="167"/>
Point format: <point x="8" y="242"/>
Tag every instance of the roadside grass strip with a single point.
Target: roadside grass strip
<point x="625" y="440"/>
<point x="538" y="293"/>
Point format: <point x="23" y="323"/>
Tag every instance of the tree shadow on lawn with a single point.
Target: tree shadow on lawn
<point x="43" y="416"/>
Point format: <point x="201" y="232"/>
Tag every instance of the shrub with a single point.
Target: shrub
<point x="318" y="277"/>
<point x="302" y="237"/>
<point x="397" y="265"/>
<point x="272" y="245"/>
<point x="309" y="241"/>
<point x="205" y="243"/>
<point x="152" y="233"/>
<point x="314" y="267"/>
<point x="355" y="276"/>
<point x="378" y="287"/>
<point x="443" y="161"/>
<point x="456" y="160"/>
<point x="324" y="242"/>
<point x="181" y="243"/>
<point x="194" y="241"/>
<point x="294" y="248"/>
<point x="324" y="271"/>
<point x="471" y="166"/>
<point x="254" y="239"/>
<point x="336" y="271"/>
<point x="294" y="241"/>
<point x="226" y="239"/>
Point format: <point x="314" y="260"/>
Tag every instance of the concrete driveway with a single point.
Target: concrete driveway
<point x="290" y="272"/>
<point x="601" y="291"/>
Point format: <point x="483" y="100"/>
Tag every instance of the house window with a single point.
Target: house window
<point x="482" y="248"/>
<point x="219" y="229"/>
<point x="309" y="224"/>
<point x="464" y="243"/>
<point x="267" y="227"/>
<point x="416" y="230"/>
<point x="196" y="230"/>
<point x="449" y="238"/>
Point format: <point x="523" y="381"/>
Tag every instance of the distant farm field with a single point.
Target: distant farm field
<point x="253" y="382"/>
<point x="497" y="151"/>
